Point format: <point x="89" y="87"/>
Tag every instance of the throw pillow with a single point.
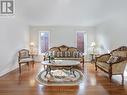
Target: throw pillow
<point x="61" y="54"/>
<point x="77" y="54"/>
<point x="69" y="54"/>
<point x="120" y="59"/>
<point x="74" y="54"/>
<point x="58" y="54"/>
<point x="65" y="53"/>
<point x="54" y="53"/>
<point x="113" y="59"/>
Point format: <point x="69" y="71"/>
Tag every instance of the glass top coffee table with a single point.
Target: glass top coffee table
<point x="60" y="64"/>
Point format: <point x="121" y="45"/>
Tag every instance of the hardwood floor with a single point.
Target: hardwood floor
<point x="94" y="83"/>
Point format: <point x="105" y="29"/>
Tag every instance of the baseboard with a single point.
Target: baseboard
<point x="7" y="70"/>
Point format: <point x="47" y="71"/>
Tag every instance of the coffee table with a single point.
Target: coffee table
<point x="60" y="64"/>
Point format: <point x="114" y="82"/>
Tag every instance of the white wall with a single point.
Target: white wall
<point x="112" y="32"/>
<point x="61" y="35"/>
<point x="13" y="36"/>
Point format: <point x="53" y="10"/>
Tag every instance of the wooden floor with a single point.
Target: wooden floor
<point x="94" y="83"/>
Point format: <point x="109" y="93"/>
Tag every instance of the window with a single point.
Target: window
<point x="81" y="41"/>
<point x="44" y="41"/>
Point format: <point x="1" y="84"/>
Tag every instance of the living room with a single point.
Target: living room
<point x="103" y="21"/>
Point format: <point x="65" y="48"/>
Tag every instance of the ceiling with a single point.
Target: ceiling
<point x="68" y="12"/>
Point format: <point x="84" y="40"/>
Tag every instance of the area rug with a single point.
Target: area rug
<point x="60" y="78"/>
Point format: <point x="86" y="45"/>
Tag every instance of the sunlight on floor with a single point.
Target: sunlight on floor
<point x="32" y="82"/>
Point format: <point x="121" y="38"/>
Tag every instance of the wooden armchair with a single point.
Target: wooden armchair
<point x="24" y="58"/>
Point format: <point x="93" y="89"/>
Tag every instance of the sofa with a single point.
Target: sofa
<point x="113" y="63"/>
<point x="64" y="52"/>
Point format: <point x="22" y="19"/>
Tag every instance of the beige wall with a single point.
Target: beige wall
<point x="13" y="37"/>
<point x="111" y="34"/>
<point x="60" y="35"/>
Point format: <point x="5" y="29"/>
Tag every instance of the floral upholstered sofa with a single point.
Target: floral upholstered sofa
<point x="65" y="53"/>
<point x="113" y="63"/>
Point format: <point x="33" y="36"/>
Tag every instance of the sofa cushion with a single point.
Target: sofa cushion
<point x="68" y="58"/>
<point x="54" y="53"/>
<point x="64" y="52"/>
<point x="103" y="65"/>
<point x="113" y="59"/>
<point x="58" y="54"/>
<point x="77" y="54"/>
<point x="120" y="59"/>
<point x="68" y="54"/>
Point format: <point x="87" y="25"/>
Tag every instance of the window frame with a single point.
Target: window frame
<point x="85" y="41"/>
<point x="39" y="42"/>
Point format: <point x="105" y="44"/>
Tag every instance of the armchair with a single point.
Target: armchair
<point x="24" y="58"/>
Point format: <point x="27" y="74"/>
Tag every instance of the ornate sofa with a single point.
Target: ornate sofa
<point x="65" y="53"/>
<point x="113" y="63"/>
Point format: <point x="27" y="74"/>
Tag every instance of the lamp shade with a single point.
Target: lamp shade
<point x="93" y="44"/>
<point x="32" y="44"/>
